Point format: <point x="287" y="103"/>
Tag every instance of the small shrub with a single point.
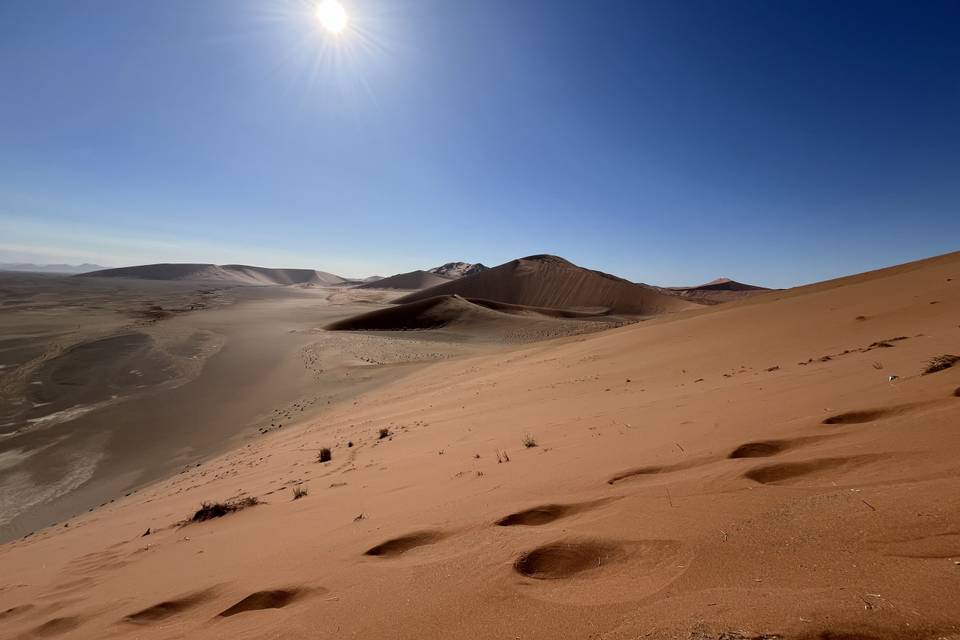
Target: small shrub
<point x="940" y="363"/>
<point x="529" y="441"/>
<point x="384" y="432"/>
<point x="299" y="491"/>
<point x="211" y="510"/>
<point x="324" y="455"/>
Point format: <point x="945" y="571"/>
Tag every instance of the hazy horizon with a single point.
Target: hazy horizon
<point x="667" y="143"/>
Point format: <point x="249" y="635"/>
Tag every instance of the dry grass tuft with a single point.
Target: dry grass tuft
<point x="384" y="432"/>
<point x="324" y="455"/>
<point x="940" y="363"/>
<point x="211" y="510"/>
<point x="299" y="491"/>
<point x="529" y="441"/>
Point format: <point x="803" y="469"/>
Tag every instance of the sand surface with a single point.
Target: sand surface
<point x="745" y="470"/>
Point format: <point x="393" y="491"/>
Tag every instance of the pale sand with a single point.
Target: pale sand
<point x="692" y="479"/>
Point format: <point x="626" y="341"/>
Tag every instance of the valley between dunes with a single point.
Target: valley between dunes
<point x="745" y="470"/>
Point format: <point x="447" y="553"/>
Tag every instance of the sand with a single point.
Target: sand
<point x="717" y="291"/>
<point x="745" y="470"/>
<point x="228" y="273"/>
<point x="413" y="280"/>
<point x="552" y="282"/>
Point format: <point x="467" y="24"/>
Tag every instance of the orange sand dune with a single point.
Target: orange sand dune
<point x="549" y="281"/>
<point x="739" y="471"/>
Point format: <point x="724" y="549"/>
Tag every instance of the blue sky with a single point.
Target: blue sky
<point x="667" y="142"/>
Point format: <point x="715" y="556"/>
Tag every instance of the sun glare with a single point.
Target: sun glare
<point x="332" y="16"/>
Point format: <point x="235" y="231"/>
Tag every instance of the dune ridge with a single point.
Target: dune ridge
<point x="552" y="282"/>
<point x="418" y="279"/>
<point x="228" y="273"/>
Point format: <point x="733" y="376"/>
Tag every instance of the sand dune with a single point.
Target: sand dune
<point x="458" y="269"/>
<point x="748" y="471"/>
<point x="229" y="273"/>
<point x="410" y="280"/>
<point x="431" y="313"/>
<point x="552" y="282"/>
<point x="476" y="318"/>
<point x="717" y="291"/>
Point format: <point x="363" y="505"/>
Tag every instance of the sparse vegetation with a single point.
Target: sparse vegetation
<point x="299" y="491"/>
<point x="502" y="456"/>
<point x="210" y="510"/>
<point x="940" y="363"/>
<point x="325" y="455"/>
<point x="529" y="441"/>
<point x="384" y="432"/>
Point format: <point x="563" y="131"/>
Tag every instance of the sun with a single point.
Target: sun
<point x="332" y="16"/>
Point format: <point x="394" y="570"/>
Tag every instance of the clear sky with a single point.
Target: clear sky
<point x="668" y="142"/>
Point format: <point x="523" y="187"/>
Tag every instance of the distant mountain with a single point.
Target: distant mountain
<point x="49" y="268"/>
<point x="232" y="273"/>
<point x="458" y="269"/>
<point x="554" y="283"/>
<point x="410" y="280"/>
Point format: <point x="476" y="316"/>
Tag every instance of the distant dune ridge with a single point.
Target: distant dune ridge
<point x="717" y="291"/>
<point x="421" y="279"/>
<point x="445" y="310"/>
<point x="554" y="283"/>
<point x="233" y="273"/>
<point x="458" y="269"/>
<point x="418" y="279"/>
<point x="49" y="268"/>
<point x="429" y="313"/>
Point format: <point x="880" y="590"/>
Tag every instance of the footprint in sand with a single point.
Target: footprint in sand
<point x="55" y="627"/>
<point x="589" y="557"/>
<point x="565" y="559"/>
<point x="786" y="473"/>
<point x="169" y="608"/>
<point x="768" y="448"/>
<point x="656" y="470"/>
<point x="869" y="415"/>
<point x="270" y="599"/>
<point x="15" y="611"/>
<point x="546" y="513"/>
<point x="399" y="546"/>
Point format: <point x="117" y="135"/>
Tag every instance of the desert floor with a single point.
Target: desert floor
<point x="741" y="471"/>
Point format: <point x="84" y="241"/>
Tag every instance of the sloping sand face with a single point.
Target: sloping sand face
<point x="110" y="398"/>
<point x="762" y="519"/>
